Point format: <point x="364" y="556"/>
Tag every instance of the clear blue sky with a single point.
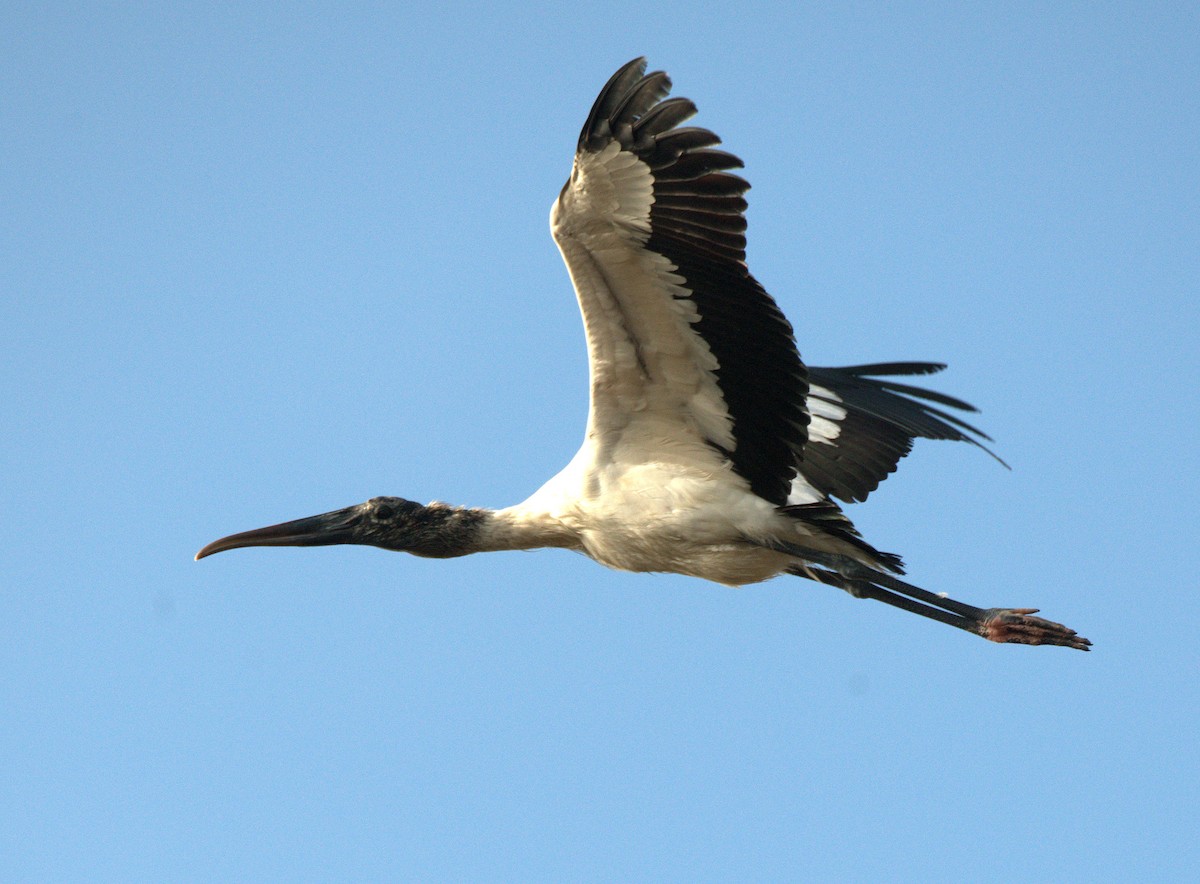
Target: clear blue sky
<point x="260" y="262"/>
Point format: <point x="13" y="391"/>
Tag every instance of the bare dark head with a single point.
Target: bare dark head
<point x="436" y="530"/>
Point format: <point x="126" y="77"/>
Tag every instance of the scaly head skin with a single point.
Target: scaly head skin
<point x="435" y="531"/>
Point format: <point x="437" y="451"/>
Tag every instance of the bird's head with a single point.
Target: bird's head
<point x="436" y="530"/>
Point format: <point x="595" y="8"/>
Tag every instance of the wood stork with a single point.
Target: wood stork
<point x="711" y="449"/>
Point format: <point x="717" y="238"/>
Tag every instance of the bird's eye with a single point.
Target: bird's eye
<point x="384" y="512"/>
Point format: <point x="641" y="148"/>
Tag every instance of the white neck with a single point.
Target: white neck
<point x="516" y="527"/>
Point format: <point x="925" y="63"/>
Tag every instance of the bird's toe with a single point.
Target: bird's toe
<point x="1019" y="626"/>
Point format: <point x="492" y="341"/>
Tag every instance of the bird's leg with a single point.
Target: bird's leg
<point x="1005" y="625"/>
<point x="1013" y="625"/>
<point x="862" y="589"/>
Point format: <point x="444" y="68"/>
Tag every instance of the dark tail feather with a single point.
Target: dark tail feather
<point x="829" y="519"/>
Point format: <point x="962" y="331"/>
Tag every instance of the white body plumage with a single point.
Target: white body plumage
<point x="710" y="450"/>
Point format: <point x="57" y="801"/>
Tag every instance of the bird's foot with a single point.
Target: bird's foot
<point x="1016" y="625"/>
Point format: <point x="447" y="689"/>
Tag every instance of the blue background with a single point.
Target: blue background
<point x="264" y="261"/>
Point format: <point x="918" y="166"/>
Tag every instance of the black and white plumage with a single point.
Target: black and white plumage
<point x="711" y="449"/>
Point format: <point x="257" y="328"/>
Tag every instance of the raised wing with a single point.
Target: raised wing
<point x="684" y="344"/>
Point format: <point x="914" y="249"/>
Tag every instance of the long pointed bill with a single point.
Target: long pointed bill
<point x="323" y="530"/>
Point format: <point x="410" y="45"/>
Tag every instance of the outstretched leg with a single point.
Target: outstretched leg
<point x="1014" y="625"/>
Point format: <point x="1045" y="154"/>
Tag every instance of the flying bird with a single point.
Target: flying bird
<point x="711" y="449"/>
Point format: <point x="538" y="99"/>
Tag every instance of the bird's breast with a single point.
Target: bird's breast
<point x="666" y="518"/>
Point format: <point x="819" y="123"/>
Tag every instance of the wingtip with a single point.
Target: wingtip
<point x="610" y="96"/>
